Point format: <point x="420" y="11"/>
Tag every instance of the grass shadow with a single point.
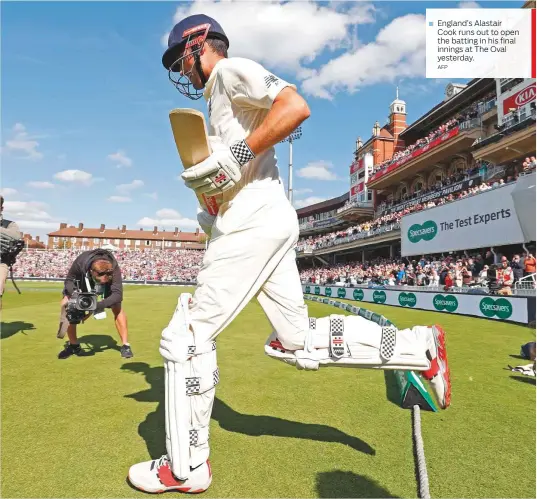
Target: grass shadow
<point x="152" y="429"/>
<point x="97" y="343"/>
<point x="8" y="329"/>
<point x="348" y="484"/>
<point x="524" y="379"/>
<point x="393" y="393"/>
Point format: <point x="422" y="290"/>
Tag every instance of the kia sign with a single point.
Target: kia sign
<point x="483" y="220"/>
<point x="521" y="98"/>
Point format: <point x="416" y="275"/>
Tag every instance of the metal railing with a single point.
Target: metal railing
<point x="355" y="204"/>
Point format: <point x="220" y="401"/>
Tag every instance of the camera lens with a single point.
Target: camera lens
<point x="85" y="302"/>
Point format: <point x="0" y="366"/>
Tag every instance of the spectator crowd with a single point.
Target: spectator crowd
<point x="391" y="221"/>
<point x="450" y="272"/>
<point x="157" y="265"/>
<point x="469" y="113"/>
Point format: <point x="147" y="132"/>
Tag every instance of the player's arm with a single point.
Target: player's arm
<point x="288" y="111"/>
<point x="251" y="87"/>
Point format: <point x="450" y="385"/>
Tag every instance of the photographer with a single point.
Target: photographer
<point x="11" y="244"/>
<point x="97" y="272"/>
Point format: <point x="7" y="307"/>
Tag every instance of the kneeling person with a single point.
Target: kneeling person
<point x="95" y="271"/>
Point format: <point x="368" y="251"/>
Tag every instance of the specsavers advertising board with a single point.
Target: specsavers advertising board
<point x="490" y="307"/>
<point x="486" y="219"/>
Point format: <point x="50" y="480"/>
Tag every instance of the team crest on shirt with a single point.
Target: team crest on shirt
<point x="270" y="79"/>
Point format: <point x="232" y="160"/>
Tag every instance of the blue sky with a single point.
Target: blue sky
<point x="85" y="99"/>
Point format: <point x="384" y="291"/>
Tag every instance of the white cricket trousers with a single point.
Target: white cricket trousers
<point x="252" y="253"/>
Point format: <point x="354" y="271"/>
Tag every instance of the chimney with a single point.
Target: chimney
<point x="102" y="228"/>
<point x="80" y="227"/>
<point x="176" y="230"/>
<point x="63" y="226"/>
<point x="376" y="129"/>
<point x="155" y="229"/>
<point x="123" y="229"/>
<point x="37" y="239"/>
<point x="197" y="231"/>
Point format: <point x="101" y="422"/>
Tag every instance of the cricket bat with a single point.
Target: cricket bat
<point x="192" y="141"/>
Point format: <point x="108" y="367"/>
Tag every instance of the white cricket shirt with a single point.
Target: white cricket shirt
<point x="239" y="95"/>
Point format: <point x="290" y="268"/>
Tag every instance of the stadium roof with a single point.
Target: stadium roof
<point x="323" y="205"/>
<point x="123" y="233"/>
<point x="445" y="110"/>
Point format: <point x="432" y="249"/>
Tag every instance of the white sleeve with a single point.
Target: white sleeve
<point x="249" y="84"/>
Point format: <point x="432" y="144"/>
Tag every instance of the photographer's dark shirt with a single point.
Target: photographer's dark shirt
<point x="80" y="270"/>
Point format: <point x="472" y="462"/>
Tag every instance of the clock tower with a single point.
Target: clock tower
<point x="397" y="122"/>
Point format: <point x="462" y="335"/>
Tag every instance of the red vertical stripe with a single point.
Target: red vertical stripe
<point x="533" y="41"/>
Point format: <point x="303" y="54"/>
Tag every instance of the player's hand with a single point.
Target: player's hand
<point x="220" y="171"/>
<point x="206" y="221"/>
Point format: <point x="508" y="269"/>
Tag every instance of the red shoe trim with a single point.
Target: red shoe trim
<point x="432" y="371"/>
<point x="276" y="345"/>
<point x="166" y="477"/>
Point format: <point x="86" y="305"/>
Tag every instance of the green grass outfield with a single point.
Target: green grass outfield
<point x="72" y="428"/>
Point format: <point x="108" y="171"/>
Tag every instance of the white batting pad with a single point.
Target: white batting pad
<point x="189" y="394"/>
<point x="351" y="341"/>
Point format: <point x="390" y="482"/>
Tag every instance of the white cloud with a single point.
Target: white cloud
<point x="300" y="203"/>
<point x="135" y="184"/>
<point x="397" y="52"/>
<point x="76" y="176"/>
<point x="302" y="191"/>
<point x="287" y="35"/>
<point x="119" y="199"/>
<point x="22" y="145"/>
<point x="120" y="158"/>
<point x="152" y="195"/>
<point x="41" y="185"/>
<point x="469" y="5"/>
<point x="30" y="215"/>
<point x="320" y="170"/>
<point x="8" y="191"/>
<point x="168" y="218"/>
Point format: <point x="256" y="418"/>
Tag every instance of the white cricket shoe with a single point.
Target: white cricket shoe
<point x="156" y="476"/>
<point x="438" y="374"/>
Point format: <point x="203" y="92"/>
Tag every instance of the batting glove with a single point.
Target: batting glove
<point x="206" y="221"/>
<point x="220" y="171"/>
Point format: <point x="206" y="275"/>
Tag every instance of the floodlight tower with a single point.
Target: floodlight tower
<point x="295" y="135"/>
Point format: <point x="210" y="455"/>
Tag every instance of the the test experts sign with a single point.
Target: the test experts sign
<point x="487" y="219"/>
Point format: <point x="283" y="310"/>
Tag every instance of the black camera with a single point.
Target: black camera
<point x="79" y="305"/>
<point x="492" y="279"/>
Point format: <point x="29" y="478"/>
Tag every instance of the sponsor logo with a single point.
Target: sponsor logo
<point x="307" y="290"/>
<point x="425" y="231"/>
<point x="341" y="293"/>
<point x="525" y="96"/>
<point x="448" y="303"/>
<point x="317" y="290"/>
<point x="328" y="291"/>
<point x="500" y="308"/>
<point x="358" y="294"/>
<point x="407" y="299"/>
<point x="379" y="296"/>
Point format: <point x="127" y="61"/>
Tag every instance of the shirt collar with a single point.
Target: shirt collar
<point x="212" y="77"/>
